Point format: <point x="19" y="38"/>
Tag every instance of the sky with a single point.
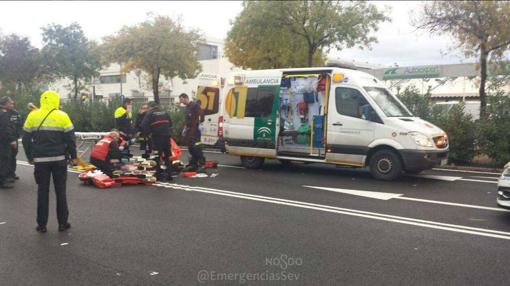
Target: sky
<point x="398" y="41"/>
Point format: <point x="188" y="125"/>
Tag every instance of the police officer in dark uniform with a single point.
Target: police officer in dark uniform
<point x="17" y="126"/>
<point x="157" y="124"/>
<point x="191" y="133"/>
<point x="8" y="142"/>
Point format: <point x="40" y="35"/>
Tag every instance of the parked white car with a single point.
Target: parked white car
<point x="504" y="188"/>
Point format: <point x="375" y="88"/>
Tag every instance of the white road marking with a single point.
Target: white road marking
<point x="64" y="244"/>
<point x="2" y="222"/>
<point x="389" y="196"/>
<point x="350" y="212"/>
<point x="454" y="204"/>
<point x="441" y="178"/>
<point x="465" y="171"/>
<point x="479" y="181"/>
<point x="486" y="177"/>
<point x="230" y="166"/>
<point x="153" y="273"/>
<point x="368" y="194"/>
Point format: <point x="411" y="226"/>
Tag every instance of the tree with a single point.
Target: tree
<point x="331" y="23"/>
<point x="258" y="41"/>
<point x="69" y="54"/>
<point x="20" y="62"/>
<point x="481" y="28"/>
<point x="158" y="46"/>
<point x="315" y="26"/>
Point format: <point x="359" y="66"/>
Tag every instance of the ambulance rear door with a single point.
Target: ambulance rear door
<point x="208" y="93"/>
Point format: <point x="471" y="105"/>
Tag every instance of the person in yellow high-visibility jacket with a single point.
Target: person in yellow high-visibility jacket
<point x="123" y="119"/>
<point x="49" y="142"/>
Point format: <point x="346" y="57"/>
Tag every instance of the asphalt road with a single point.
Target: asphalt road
<point x="273" y="226"/>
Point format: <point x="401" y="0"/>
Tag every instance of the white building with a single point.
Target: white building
<point x="136" y="84"/>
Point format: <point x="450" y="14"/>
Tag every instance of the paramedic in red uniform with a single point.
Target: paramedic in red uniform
<point x="157" y="124"/>
<point x="106" y="152"/>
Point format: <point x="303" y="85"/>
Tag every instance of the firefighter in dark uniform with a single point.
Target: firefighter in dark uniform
<point x="191" y="133"/>
<point x="17" y="125"/>
<point x="106" y="152"/>
<point x="49" y="141"/>
<point x="145" y="141"/>
<point x="123" y="122"/>
<point x="8" y="142"/>
<point x="157" y="124"/>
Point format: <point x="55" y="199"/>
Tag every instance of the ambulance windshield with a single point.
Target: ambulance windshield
<point x="387" y="102"/>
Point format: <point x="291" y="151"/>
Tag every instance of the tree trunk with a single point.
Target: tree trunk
<point x="483" y="79"/>
<point x="310" y="57"/>
<point x="75" y="81"/>
<point x="155" y="83"/>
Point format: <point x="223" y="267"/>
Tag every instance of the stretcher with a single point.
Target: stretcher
<point x="103" y="181"/>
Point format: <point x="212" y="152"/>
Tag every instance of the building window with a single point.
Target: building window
<point x="207" y="52"/>
<point x="107" y="79"/>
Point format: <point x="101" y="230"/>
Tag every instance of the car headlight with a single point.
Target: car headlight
<point x="421" y="140"/>
<point x="506" y="173"/>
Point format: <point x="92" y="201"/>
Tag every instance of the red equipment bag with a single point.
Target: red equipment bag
<point x="211" y="164"/>
<point x="176" y="150"/>
<point x="103" y="181"/>
<point x="128" y="180"/>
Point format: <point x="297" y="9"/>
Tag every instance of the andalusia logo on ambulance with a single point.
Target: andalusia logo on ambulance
<point x="264" y="132"/>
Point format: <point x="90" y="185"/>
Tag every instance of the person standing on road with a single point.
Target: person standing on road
<point x="157" y="124"/>
<point x="123" y="121"/>
<point x="17" y="126"/>
<point x="191" y="133"/>
<point x="49" y="141"/>
<point x="145" y="142"/>
<point x="8" y="142"/>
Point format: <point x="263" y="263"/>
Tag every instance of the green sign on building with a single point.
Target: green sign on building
<point x="412" y="72"/>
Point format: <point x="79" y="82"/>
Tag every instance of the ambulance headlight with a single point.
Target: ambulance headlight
<point x="421" y="139"/>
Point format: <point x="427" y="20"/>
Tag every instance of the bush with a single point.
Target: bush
<point x="494" y="136"/>
<point x="91" y="116"/>
<point x="461" y="132"/>
<point x="97" y="116"/>
<point x="418" y="104"/>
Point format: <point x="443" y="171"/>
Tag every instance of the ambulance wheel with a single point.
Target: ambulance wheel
<point x="252" y="162"/>
<point x="385" y="165"/>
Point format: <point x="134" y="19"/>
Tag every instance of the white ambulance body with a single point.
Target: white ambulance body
<point x="208" y="93"/>
<point x="326" y="115"/>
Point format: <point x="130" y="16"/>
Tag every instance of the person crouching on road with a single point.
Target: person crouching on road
<point x="191" y="133"/>
<point x="106" y="152"/>
<point x="8" y="142"/>
<point x="48" y="141"/>
<point x="157" y="124"/>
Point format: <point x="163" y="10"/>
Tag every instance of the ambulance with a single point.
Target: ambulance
<point x="208" y="93"/>
<point x="325" y="115"/>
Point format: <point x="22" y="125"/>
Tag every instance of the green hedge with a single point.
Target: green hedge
<point x="468" y="138"/>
